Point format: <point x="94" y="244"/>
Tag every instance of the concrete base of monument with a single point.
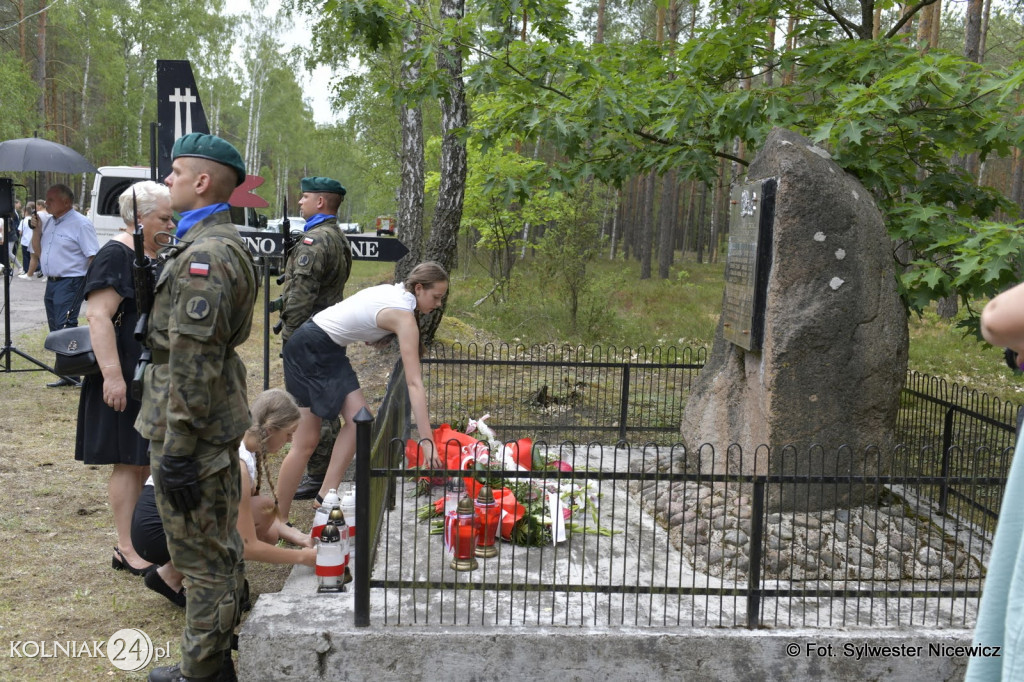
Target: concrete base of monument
<point x="300" y="635"/>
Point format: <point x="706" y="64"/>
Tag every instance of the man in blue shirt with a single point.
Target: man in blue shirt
<point x="67" y="246"/>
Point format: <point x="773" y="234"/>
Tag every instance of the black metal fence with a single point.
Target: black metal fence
<point x="662" y="544"/>
<point x="955" y="432"/>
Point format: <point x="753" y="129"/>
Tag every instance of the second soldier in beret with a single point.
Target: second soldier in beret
<point x="315" y="275"/>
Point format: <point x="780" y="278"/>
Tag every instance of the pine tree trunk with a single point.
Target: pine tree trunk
<point x="948" y="306"/>
<point x="720" y="207"/>
<point x="647" y="227"/>
<point x="666" y="224"/>
<point x="701" y="223"/>
<point x="1017" y="179"/>
<point x="84" y="119"/>
<point x="691" y="215"/>
<point x="615" y="225"/>
<point x="21" y="31"/>
<point x="40" y="74"/>
<point x="629" y="219"/>
<point x="972" y="30"/>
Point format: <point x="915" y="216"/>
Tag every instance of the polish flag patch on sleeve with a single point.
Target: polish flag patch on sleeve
<point x="308" y="240"/>
<point x="200" y="269"/>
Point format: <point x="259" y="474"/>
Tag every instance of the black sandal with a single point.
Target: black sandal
<point x="156" y="583"/>
<point x="119" y="563"/>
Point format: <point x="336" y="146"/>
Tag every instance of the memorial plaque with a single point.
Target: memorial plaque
<point x="751" y="216"/>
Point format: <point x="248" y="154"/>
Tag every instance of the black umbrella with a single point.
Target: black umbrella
<point x="37" y="154"/>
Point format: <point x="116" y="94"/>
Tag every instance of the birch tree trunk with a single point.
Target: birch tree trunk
<point x="410" y="189"/>
<point x="526" y="224"/>
<point x="442" y="246"/>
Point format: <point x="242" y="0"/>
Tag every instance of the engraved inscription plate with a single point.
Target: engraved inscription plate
<point x="751" y="216"/>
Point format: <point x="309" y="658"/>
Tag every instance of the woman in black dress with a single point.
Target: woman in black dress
<point x="106" y="411"/>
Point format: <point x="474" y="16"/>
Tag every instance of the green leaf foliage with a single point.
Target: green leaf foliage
<point x="896" y="118"/>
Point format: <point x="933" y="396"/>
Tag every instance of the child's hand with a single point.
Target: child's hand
<point x="307" y="557"/>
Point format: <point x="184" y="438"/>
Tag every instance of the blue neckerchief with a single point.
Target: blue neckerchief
<point x="190" y="218"/>
<point x="316" y="220"/>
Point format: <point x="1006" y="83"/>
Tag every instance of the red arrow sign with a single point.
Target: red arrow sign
<point x="243" y="196"/>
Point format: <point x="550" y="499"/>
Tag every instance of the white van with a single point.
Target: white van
<point x="104" y="211"/>
<point x="111" y="181"/>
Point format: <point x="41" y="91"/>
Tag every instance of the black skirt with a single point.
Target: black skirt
<point x="148" y="536"/>
<point x="317" y="372"/>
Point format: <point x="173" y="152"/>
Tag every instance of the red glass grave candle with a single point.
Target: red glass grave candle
<point x="488" y="513"/>
<point x="465" y="537"/>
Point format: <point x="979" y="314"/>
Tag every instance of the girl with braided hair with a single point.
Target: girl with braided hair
<point x="275" y="416"/>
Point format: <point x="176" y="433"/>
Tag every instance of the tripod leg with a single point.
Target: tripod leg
<point x="9" y="348"/>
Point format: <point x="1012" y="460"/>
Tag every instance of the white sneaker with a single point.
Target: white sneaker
<point x="43" y="278"/>
<point x="23" y="276"/>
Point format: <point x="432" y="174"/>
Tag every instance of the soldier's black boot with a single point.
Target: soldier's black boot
<point x="308" y="488"/>
<point x="172" y="673"/>
<point x="227" y="669"/>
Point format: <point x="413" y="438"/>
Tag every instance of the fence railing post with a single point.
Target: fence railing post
<point x="624" y="403"/>
<point x="947" y="445"/>
<point x="754" y="570"/>
<point x="361" y="584"/>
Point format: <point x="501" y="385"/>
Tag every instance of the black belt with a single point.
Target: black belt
<point x="55" y="278"/>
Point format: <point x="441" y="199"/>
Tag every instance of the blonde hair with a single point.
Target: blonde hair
<point x="428" y="273"/>
<point x="273" y="409"/>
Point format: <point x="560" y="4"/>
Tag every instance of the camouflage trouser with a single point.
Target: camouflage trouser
<point x="321" y="457"/>
<point x="205" y="546"/>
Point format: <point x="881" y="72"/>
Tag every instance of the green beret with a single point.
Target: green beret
<point x="317" y="184"/>
<point x="210" y="147"/>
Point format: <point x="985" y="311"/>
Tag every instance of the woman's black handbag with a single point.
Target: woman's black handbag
<point x="73" y="348"/>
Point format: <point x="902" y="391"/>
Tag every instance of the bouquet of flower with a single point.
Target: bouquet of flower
<point x="535" y="510"/>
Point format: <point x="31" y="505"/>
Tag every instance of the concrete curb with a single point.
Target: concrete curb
<point x="299" y="637"/>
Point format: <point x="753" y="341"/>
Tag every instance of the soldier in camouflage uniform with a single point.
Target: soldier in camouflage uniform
<point x="194" y="405"/>
<point x="315" y="276"/>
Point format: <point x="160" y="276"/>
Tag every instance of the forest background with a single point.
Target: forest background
<point x="570" y="162"/>
<point x="526" y="144"/>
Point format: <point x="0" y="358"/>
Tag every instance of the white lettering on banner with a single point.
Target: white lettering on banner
<point x="260" y="246"/>
<point x="364" y="248"/>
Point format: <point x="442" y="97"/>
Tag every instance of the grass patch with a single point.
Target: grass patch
<point x="622" y="310"/>
<point x="616" y="309"/>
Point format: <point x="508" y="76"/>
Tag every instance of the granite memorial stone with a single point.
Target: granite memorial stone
<point x="823" y="389"/>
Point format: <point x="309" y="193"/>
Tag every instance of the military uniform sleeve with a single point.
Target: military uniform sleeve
<point x="305" y="273"/>
<point x="199" y="332"/>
